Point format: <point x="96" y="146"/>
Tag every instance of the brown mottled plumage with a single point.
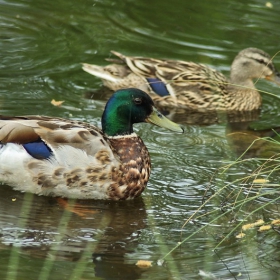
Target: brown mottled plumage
<point x="78" y="159"/>
<point x="124" y="161"/>
<point x="191" y="85"/>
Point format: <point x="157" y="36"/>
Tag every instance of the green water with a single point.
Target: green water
<point x="42" y="44"/>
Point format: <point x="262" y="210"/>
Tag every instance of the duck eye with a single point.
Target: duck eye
<point x="138" y="101"/>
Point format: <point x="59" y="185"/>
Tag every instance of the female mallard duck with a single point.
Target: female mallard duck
<point x="59" y="157"/>
<point x="189" y="85"/>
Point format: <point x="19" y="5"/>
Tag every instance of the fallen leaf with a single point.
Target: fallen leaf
<point x="144" y="264"/>
<point x="264" y="228"/>
<point x="259" y="222"/>
<point x="240" y="235"/>
<point x="275" y="222"/>
<point x="260" y="181"/>
<point x="56" y="103"/>
<point x="247" y="226"/>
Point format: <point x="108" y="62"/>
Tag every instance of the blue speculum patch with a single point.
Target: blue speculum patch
<point x="38" y="149"/>
<point x="158" y="86"/>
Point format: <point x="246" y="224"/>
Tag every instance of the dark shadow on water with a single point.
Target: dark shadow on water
<point x="61" y="231"/>
<point x="253" y="143"/>
<point x="211" y="117"/>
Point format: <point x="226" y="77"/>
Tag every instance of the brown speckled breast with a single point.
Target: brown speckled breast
<point x="130" y="179"/>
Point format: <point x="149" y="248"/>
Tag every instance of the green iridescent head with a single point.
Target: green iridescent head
<point x="129" y="106"/>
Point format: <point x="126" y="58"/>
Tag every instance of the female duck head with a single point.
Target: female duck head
<point x="129" y="106"/>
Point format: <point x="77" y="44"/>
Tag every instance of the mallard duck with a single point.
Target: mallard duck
<point x="65" y="158"/>
<point x="189" y="85"/>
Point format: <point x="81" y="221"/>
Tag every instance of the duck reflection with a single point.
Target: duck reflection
<point x="249" y="142"/>
<point x="241" y="135"/>
<point x="211" y="117"/>
<point x="59" y="230"/>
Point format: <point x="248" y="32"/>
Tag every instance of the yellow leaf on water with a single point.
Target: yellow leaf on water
<point x="240" y="235"/>
<point x="259" y="222"/>
<point x="275" y="222"/>
<point x="260" y="181"/>
<point x="247" y="226"/>
<point x="56" y="103"/>
<point x="144" y="264"/>
<point x="268" y="5"/>
<point x="14" y="199"/>
<point x="264" y="228"/>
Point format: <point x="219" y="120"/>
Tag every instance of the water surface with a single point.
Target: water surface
<point x="42" y="45"/>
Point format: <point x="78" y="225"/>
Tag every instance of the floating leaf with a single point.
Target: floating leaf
<point x="260" y="181"/>
<point x="247" y="226"/>
<point x="240" y="235"/>
<point x="264" y="228"/>
<point x="275" y="222"/>
<point x="259" y="222"/>
<point x="144" y="264"/>
<point x="56" y="103"/>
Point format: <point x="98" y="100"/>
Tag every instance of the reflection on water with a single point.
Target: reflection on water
<point x="42" y="45"/>
<point x="99" y="233"/>
<point x="248" y="142"/>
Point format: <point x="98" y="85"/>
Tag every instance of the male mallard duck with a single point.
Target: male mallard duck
<point x="189" y="85"/>
<point x="60" y="157"/>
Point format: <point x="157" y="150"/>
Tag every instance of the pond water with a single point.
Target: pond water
<point x="42" y="44"/>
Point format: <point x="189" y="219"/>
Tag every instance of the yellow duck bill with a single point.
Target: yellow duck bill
<point x="159" y="119"/>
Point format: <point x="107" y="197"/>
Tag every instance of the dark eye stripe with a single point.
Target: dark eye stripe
<point x="266" y="63"/>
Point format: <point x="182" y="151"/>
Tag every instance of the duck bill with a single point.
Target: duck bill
<point x="159" y="119"/>
<point x="274" y="78"/>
